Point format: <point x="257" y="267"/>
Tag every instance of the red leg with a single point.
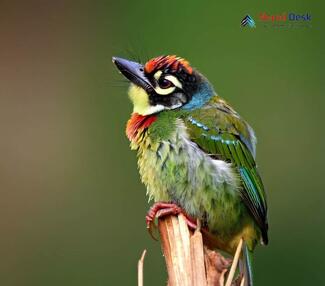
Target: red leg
<point x="162" y="209"/>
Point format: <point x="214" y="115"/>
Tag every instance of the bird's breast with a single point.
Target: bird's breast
<point x="176" y="169"/>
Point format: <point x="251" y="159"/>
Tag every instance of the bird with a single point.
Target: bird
<point x="196" y="154"/>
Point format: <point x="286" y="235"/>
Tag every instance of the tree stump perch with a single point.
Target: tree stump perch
<point x="188" y="261"/>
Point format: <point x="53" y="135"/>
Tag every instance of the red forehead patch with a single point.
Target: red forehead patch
<point x="173" y="62"/>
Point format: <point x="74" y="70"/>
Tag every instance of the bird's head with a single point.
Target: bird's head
<point x="164" y="83"/>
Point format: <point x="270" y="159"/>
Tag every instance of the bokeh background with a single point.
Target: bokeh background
<point x="72" y="206"/>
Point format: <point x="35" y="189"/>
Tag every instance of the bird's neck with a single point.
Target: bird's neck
<point x="200" y="97"/>
<point x="137" y="124"/>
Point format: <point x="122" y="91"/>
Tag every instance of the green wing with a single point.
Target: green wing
<point x="219" y="131"/>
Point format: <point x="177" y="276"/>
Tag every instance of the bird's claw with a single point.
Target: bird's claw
<point x="161" y="209"/>
<point x="151" y="226"/>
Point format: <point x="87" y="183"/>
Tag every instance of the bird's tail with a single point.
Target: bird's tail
<point x="246" y="265"/>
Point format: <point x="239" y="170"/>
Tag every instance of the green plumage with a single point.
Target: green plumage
<point x="195" y="151"/>
<point x="230" y="138"/>
<point x="177" y="156"/>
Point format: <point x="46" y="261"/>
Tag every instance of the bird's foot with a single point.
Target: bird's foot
<point x="161" y="209"/>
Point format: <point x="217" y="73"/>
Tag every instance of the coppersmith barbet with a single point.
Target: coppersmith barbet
<point x="195" y="152"/>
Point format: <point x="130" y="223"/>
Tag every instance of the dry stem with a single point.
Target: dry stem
<point x="188" y="261"/>
<point x="140" y="268"/>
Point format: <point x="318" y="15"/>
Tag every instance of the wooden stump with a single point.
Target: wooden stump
<point x="188" y="261"/>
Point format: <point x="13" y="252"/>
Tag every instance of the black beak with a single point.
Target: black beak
<point x="134" y="72"/>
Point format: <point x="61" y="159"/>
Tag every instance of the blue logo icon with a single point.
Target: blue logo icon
<point x="248" y="21"/>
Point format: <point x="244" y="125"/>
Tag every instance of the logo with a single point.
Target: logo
<point x="248" y="21"/>
<point x="285" y="20"/>
<point x="285" y="17"/>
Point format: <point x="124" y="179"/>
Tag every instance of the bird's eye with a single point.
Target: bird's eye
<point x="165" y="83"/>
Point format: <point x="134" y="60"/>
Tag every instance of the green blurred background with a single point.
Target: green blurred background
<point x="72" y="206"/>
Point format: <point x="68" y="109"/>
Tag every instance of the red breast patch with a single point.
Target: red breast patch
<point x="138" y="123"/>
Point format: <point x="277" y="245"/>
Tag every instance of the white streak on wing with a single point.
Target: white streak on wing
<point x="221" y="171"/>
<point x="252" y="138"/>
